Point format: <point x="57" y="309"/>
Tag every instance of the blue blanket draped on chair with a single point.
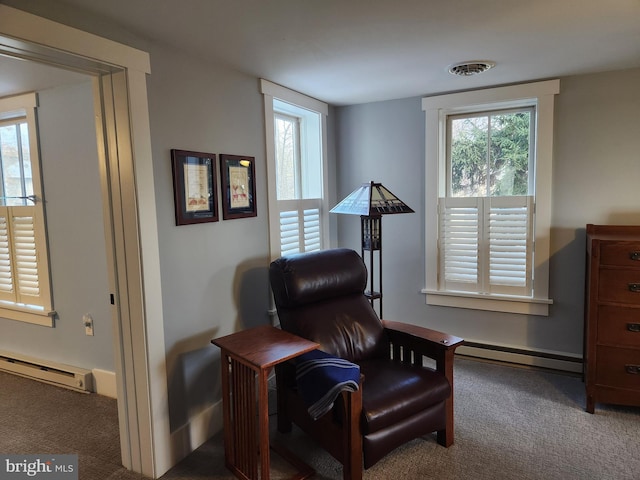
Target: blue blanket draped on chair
<point x="321" y="377"/>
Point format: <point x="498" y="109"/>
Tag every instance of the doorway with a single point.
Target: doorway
<point x="126" y="172"/>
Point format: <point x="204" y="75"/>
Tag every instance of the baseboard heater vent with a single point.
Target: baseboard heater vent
<point x="536" y="358"/>
<point x="54" y="373"/>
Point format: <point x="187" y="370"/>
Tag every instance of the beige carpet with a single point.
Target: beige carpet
<point x="511" y="423"/>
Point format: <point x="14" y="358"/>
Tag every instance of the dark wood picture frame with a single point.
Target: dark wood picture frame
<point x="238" y="186"/>
<point x="194" y="187"/>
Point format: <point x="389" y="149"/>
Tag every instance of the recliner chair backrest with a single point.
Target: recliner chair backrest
<point x="320" y="296"/>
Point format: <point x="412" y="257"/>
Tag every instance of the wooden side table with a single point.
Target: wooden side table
<point x="247" y="360"/>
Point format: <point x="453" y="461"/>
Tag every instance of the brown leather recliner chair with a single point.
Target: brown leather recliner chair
<point x="320" y="296"/>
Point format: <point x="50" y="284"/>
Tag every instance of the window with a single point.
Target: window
<point x="296" y="159"/>
<point x="24" y="267"/>
<point x="488" y="164"/>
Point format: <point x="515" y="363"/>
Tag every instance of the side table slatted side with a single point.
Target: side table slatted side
<point x="248" y="357"/>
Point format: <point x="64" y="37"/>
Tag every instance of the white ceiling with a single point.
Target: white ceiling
<point x="355" y="51"/>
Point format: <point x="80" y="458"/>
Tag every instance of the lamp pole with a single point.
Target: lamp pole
<point x="371" y="241"/>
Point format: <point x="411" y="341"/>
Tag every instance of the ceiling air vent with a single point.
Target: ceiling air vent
<point x="466" y="69"/>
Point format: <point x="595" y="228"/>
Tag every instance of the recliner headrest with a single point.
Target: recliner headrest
<point x="302" y="278"/>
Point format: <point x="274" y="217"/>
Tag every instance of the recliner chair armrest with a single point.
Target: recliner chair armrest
<point x="424" y="341"/>
<point x="436" y="340"/>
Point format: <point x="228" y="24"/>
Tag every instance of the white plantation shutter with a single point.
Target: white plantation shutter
<point x="23" y="258"/>
<point x="486" y="244"/>
<point x="459" y="243"/>
<point x="6" y="270"/>
<point x="510" y="221"/>
<point x="311" y="218"/>
<point x="300" y="226"/>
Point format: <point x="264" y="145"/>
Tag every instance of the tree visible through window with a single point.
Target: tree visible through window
<point x="490" y="154"/>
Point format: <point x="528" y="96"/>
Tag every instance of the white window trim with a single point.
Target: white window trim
<point x="270" y="91"/>
<point x="25" y="106"/>
<point x="436" y="108"/>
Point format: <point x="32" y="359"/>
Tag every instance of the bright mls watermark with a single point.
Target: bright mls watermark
<point x="49" y="467"/>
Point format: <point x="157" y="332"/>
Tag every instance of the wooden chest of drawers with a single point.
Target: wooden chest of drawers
<point x="612" y="315"/>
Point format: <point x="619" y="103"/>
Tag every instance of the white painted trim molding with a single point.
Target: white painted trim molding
<point x="201" y="427"/>
<point x="104" y="383"/>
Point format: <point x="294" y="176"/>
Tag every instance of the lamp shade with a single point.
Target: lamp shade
<point x="371" y="199"/>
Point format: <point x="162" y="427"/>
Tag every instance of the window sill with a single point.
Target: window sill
<point x="28" y="315"/>
<point x="493" y="303"/>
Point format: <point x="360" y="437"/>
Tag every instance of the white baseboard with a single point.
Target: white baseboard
<point x="201" y="428"/>
<point x="104" y="383"/>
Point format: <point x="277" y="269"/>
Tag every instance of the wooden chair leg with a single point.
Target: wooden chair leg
<point x="352" y="457"/>
<point x="445" y="366"/>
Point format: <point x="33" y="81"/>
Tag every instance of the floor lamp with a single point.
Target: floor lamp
<point x="371" y="201"/>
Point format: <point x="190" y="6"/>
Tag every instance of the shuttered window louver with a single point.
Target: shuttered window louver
<point x="508" y="240"/>
<point x="289" y="232"/>
<point x="26" y="257"/>
<point x="459" y="243"/>
<point x="6" y="270"/>
<point x="486" y="244"/>
<point x="311" y="229"/>
<point x="20" y="259"/>
<point x="300" y="228"/>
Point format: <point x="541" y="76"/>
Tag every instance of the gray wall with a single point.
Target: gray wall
<point x="595" y="180"/>
<point x="76" y="237"/>
<point x="214" y="275"/>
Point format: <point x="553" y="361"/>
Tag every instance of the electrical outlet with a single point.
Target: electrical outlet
<point x="87" y="320"/>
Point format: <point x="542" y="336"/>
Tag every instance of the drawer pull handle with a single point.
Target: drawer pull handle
<point x="634" y="287"/>
<point x="633" y="327"/>
<point x="635" y="256"/>
<point x="632" y="369"/>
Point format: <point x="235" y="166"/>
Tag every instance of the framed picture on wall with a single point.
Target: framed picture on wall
<point x="194" y="187"/>
<point x="238" y="186"/>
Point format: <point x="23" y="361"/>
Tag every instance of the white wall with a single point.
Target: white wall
<point x="76" y="237"/>
<point x="596" y="172"/>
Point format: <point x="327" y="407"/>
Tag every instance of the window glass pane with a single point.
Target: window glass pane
<point x="468" y="153"/>
<point x="509" y="162"/>
<point x="490" y="154"/>
<point x="11" y="171"/>
<point x="287" y="157"/>
<point x="26" y="161"/>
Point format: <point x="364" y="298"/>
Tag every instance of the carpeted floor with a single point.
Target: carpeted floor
<point x="511" y="423"/>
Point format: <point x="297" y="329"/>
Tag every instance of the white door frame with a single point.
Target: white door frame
<point x="130" y="220"/>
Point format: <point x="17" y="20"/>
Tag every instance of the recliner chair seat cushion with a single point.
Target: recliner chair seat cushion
<point x="393" y="391"/>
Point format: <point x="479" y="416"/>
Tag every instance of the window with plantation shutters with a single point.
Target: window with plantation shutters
<point x="25" y="293"/>
<point x="486" y="244"/>
<point x="488" y="160"/>
<point x="22" y="257"/>
<point x="296" y="159"/>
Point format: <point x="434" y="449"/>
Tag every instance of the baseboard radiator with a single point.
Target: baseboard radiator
<point x="54" y="373"/>
<point x="536" y="358"/>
